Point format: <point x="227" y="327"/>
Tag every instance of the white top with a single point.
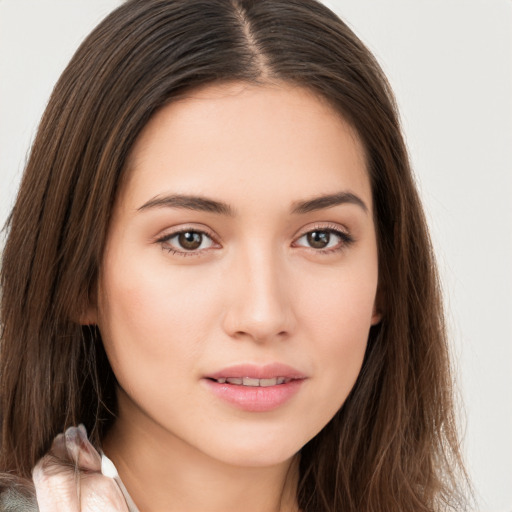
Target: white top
<point x="109" y="470"/>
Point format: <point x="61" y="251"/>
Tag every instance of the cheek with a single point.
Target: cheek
<point x="152" y="321"/>
<point x="339" y="304"/>
<point x="337" y="316"/>
<point x="341" y="335"/>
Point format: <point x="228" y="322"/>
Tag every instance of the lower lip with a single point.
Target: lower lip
<point x="257" y="398"/>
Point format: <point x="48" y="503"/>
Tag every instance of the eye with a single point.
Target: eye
<point x="186" y="241"/>
<point x="324" y="239"/>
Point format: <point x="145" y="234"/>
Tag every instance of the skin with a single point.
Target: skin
<point x="255" y="291"/>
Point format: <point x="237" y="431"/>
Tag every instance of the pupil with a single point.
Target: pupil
<point x="190" y="240"/>
<point x="318" y="239"/>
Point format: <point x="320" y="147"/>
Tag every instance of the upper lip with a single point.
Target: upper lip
<point x="268" y="371"/>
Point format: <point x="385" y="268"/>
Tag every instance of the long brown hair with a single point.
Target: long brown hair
<point x="393" y="444"/>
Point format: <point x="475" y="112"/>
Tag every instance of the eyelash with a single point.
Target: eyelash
<point x="164" y="241"/>
<point x="345" y="240"/>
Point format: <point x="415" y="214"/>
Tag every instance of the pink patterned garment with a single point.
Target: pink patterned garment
<point x="74" y="477"/>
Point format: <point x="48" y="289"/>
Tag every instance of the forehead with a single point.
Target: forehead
<point x="272" y="140"/>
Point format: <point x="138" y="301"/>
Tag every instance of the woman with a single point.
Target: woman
<point x="219" y="265"/>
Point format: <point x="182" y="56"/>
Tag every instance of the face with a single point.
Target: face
<point x="239" y="278"/>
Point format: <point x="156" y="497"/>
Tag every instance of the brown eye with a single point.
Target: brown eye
<point x="324" y="240"/>
<point x="318" y="239"/>
<point x="190" y="240"/>
<point x="185" y="242"/>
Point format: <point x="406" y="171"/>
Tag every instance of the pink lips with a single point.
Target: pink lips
<point x="256" y="397"/>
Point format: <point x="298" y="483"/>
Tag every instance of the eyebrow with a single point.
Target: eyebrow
<point x="203" y="204"/>
<point x="188" y="202"/>
<point x="328" y="201"/>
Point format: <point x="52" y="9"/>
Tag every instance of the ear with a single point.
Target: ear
<point x="87" y="312"/>
<point x="376" y="315"/>
<point x="377" y="312"/>
<point x="89" y="317"/>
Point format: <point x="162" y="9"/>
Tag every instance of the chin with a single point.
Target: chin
<point x="247" y="458"/>
<point x="260" y="449"/>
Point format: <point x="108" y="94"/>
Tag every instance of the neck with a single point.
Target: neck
<point x="163" y="472"/>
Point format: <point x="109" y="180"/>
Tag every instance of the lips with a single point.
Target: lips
<point x="249" y="381"/>
<point x="268" y="371"/>
<point x="256" y="388"/>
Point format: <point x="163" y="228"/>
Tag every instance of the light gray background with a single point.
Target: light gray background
<point x="450" y="63"/>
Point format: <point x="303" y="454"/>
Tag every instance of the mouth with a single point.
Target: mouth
<point x="251" y="375"/>
<point x="256" y="388"/>
<point x="252" y="382"/>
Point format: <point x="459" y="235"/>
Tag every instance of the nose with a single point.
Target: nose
<point x="260" y="305"/>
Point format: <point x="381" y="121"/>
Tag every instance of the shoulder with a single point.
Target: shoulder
<point x="16" y="495"/>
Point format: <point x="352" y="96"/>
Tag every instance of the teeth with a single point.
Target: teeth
<point x="249" y="381"/>
<point x="268" y="382"/>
